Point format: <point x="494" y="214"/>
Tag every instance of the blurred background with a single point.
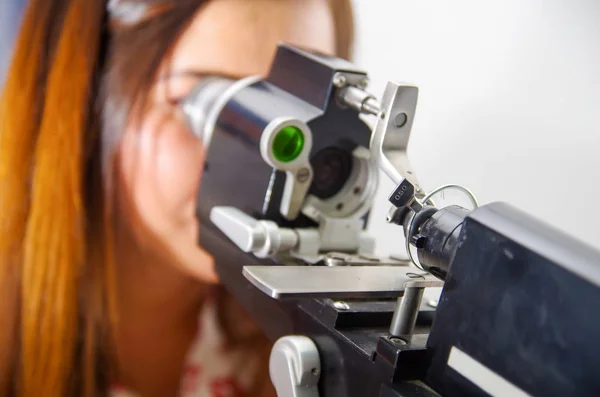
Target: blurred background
<point x="509" y="100"/>
<point x="10" y="13"/>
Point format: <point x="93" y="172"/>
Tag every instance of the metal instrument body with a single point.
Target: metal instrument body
<point x="253" y="186"/>
<point x="519" y="298"/>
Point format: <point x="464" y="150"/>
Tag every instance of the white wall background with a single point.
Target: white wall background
<point x="509" y="101"/>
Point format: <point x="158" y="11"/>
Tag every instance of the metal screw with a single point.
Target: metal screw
<point x="303" y="175"/>
<point x="398" y="341"/>
<point x="400" y="119"/>
<point x="341" y="305"/>
<point x="315" y="371"/>
<point x="363" y="83"/>
<point x="339" y="80"/>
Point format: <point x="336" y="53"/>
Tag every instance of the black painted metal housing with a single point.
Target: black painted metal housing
<point x="520" y="297"/>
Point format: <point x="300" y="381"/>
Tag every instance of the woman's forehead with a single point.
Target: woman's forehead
<point x="239" y="37"/>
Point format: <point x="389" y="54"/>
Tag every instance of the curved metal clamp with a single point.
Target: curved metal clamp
<point x="389" y="143"/>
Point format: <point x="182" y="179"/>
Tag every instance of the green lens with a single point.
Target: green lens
<point x="288" y="144"/>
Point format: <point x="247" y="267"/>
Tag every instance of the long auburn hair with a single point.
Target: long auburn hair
<point x="75" y="73"/>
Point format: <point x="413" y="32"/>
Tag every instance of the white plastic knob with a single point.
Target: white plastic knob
<point x="243" y="230"/>
<point x="295" y="367"/>
<point x="262" y="238"/>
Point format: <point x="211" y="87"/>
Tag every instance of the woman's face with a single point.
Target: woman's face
<point x="161" y="161"/>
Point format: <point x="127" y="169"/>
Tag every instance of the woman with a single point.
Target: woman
<point x="102" y="282"/>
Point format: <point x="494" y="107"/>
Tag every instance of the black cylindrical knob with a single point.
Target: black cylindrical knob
<point x="437" y="238"/>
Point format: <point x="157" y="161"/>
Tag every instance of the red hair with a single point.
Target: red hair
<point x="57" y="312"/>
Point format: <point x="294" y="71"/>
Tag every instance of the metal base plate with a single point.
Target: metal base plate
<point x="341" y="282"/>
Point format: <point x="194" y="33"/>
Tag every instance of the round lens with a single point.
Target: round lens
<point x="332" y="167"/>
<point x="288" y="144"/>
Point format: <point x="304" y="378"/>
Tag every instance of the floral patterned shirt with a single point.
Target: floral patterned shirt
<point x="210" y="369"/>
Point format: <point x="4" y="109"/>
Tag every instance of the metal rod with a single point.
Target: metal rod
<point x="407" y="309"/>
<point x="371" y="106"/>
<point x="360" y="100"/>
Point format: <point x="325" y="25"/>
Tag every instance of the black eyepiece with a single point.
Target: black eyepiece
<point x="332" y="167"/>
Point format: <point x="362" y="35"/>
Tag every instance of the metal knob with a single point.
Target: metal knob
<point x="262" y="238"/>
<point x="295" y="367"/>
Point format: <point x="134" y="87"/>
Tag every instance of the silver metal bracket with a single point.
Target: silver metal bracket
<point x="391" y="132"/>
